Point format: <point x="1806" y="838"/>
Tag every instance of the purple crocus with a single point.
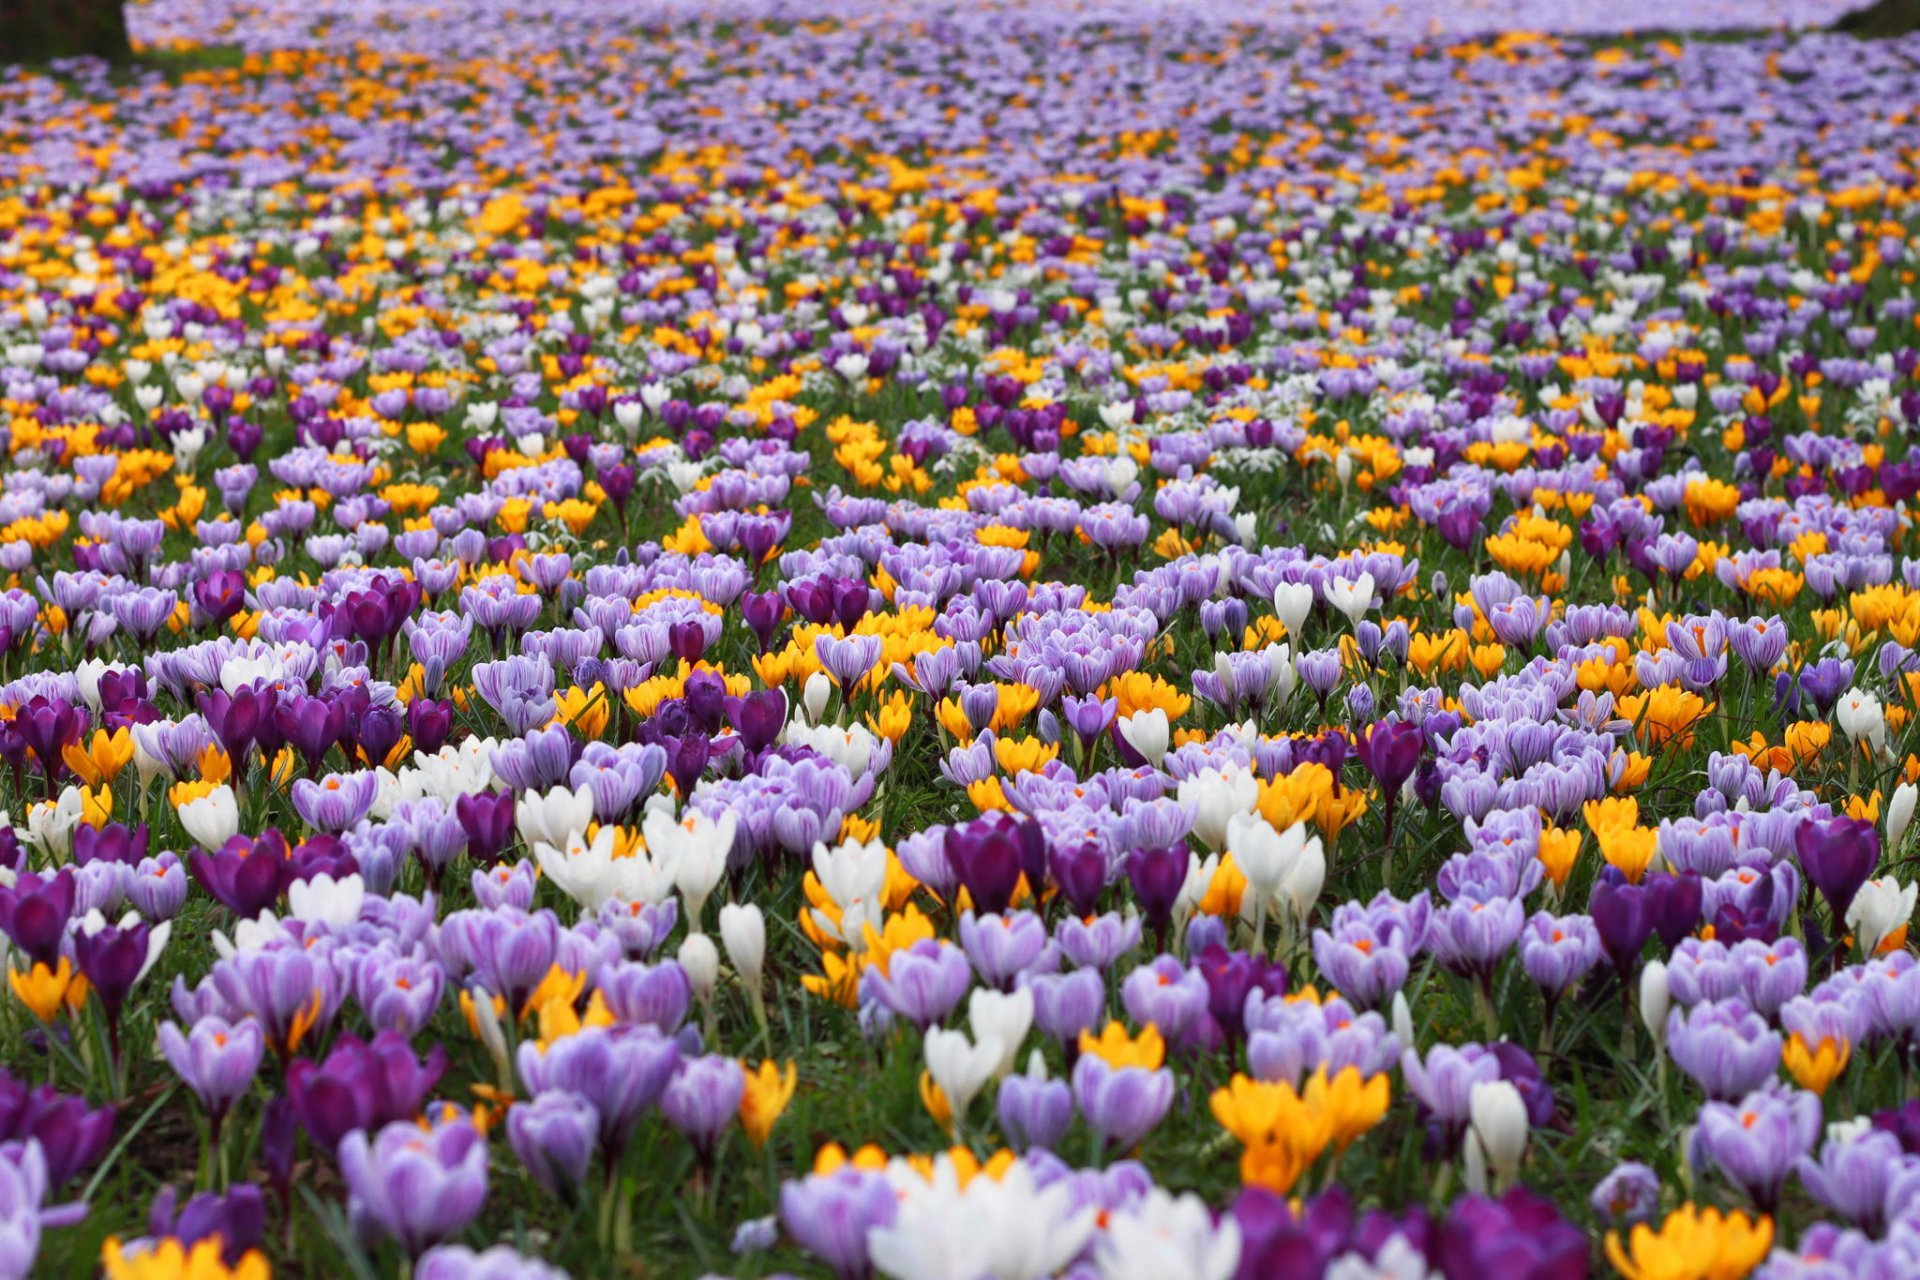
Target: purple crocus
<point x="34" y="912"/>
<point x="247" y="875"/>
<point x="362" y="1085"/>
<point x="1034" y="1111"/>
<point x="990" y="854"/>
<point x="1065" y="1004"/>
<point x="555" y="1135"/>
<point x="1757" y="1142"/>
<point x="217" y="1060"/>
<point x="416" y="1186"/>
<point x="703" y="1098"/>
<point x="71" y="1135"/>
<point x="830" y="1215"/>
<point x="337" y="801"/>
<point x="1003" y="946"/>
<point x="620" y="1072"/>
<point x="1838" y="856"/>
<point x="1121" y="1104"/>
<point x="1725" y="1047"/>
<point x="923" y="983"/>
<point x="1520" y="1235"/>
<point x="1853" y="1175"/>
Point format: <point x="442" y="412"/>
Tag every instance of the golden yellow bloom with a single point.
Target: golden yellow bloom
<point x="1114" y="1047"/>
<point x="96" y="806"/>
<point x="169" y="1260"/>
<point x="768" y="1092"/>
<point x="935" y="1100"/>
<point x="1818" y="1067"/>
<point x="1559" y="850"/>
<point x="1138" y="691"/>
<point x="1257" y="1110"/>
<point x="1666" y="715"/>
<point x="1488" y="659"/>
<point x="558" y="984"/>
<point x="1350" y="1104"/>
<point x="1693" y="1244"/>
<point x="1807" y="740"/>
<point x="586" y="711"/>
<point x="1634" y="769"/>
<point x="1613" y="811"/>
<point x="893" y="717"/>
<point x="102" y="758"/>
<point x="833" y="1157"/>
<point x="1709" y="501"/>
<point x="1630" y="849"/>
<point x="42" y="989"/>
<point x="1024" y="755"/>
<point x="1428" y="651"/>
<point x="425" y="437"/>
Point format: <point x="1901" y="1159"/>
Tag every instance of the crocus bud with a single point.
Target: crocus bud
<point x="1402" y="1020"/>
<point x="744" y="930"/>
<point x="1900" y="813"/>
<point x="1654" y="1000"/>
<point x="1292" y="602"/>
<point x="813" y="697"/>
<point x="1499" y="1118"/>
<point x="701" y="959"/>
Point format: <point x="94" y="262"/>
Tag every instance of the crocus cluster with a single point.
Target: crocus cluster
<point x="1274" y="641"/>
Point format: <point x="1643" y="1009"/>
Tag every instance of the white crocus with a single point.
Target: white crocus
<point x="743" y="928"/>
<point x="1880" y="913"/>
<point x="1215" y="796"/>
<point x="1147" y="732"/>
<point x="324" y="900"/>
<point x="1304" y="882"/>
<point x="1655" y="1000"/>
<point x="50" y="823"/>
<point x="1164" y="1237"/>
<point x="1292" y="602"/>
<point x="213" y="819"/>
<point x="555" y="817"/>
<point x="1499" y="1117"/>
<point x="585" y="870"/>
<point x="1351" y="597"/>
<point x="1003" y="1018"/>
<point x="1900" y="813"/>
<point x="961" y="1067"/>
<point x="701" y="960"/>
<point x="851" y="870"/>
<point x="1007" y="1227"/>
<point x="696" y="847"/>
<point x="1862" y="719"/>
<point x="1265" y="857"/>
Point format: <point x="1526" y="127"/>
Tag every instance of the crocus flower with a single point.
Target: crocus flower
<point x="702" y="1097"/>
<point x="1838" y="855"/>
<point x="415" y="1186"/>
<point x="620" y="1072"/>
<point x="216" y="1059"/>
<point x="830" y="1214"/>
<point x="1727" y="1049"/>
<point x="1756" y="1142"/>
<point x="555" y="1135"/>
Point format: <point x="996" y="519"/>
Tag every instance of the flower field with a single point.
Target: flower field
<point x="1114" y="640"/>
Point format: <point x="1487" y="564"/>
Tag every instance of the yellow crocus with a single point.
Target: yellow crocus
<point x="170" y="1260"/>
<point x="1117" y="1049"/>
<point x="769" y="1090"/>
<point x="1693" y="1244"/>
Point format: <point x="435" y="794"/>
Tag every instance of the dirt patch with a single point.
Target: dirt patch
<point x="1883" y="19"/>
